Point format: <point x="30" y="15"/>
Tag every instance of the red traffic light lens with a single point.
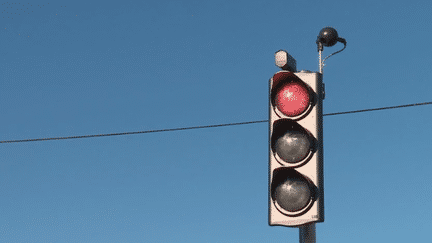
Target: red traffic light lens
<point x="292" y="99"/>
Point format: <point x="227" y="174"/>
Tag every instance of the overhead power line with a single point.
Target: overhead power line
<point x="377" y="109"/>
<point x="188" y="128"/>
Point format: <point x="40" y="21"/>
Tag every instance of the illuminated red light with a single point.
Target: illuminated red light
<point x="292" y="99"/>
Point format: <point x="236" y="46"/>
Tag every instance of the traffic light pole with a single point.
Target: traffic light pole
<point x="320" y="49"/>
<point x="307" y="233"/>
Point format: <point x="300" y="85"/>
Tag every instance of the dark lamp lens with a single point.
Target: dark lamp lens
<point x="293" y="194"/>
<point x="293" y="146"/>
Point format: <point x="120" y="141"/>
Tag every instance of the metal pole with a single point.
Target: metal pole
<point x="320" y="61"/>
<point x="307" y="233"/>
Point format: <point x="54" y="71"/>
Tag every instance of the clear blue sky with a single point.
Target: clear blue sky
<point x="71" y="68"/>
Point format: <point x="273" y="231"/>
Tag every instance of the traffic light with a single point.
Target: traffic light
<point x="296" y="189"/>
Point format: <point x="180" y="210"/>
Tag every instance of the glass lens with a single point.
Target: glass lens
<point x="292" y="99"/>
<point x="293" y="194"/>
<point x="293" y="146"/>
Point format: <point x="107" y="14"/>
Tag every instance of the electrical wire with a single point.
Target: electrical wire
<point x="209" y="126"/>
<point x="377" y="109"/>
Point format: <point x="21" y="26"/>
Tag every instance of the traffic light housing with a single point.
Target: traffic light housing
<point x="296" y="186"/>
